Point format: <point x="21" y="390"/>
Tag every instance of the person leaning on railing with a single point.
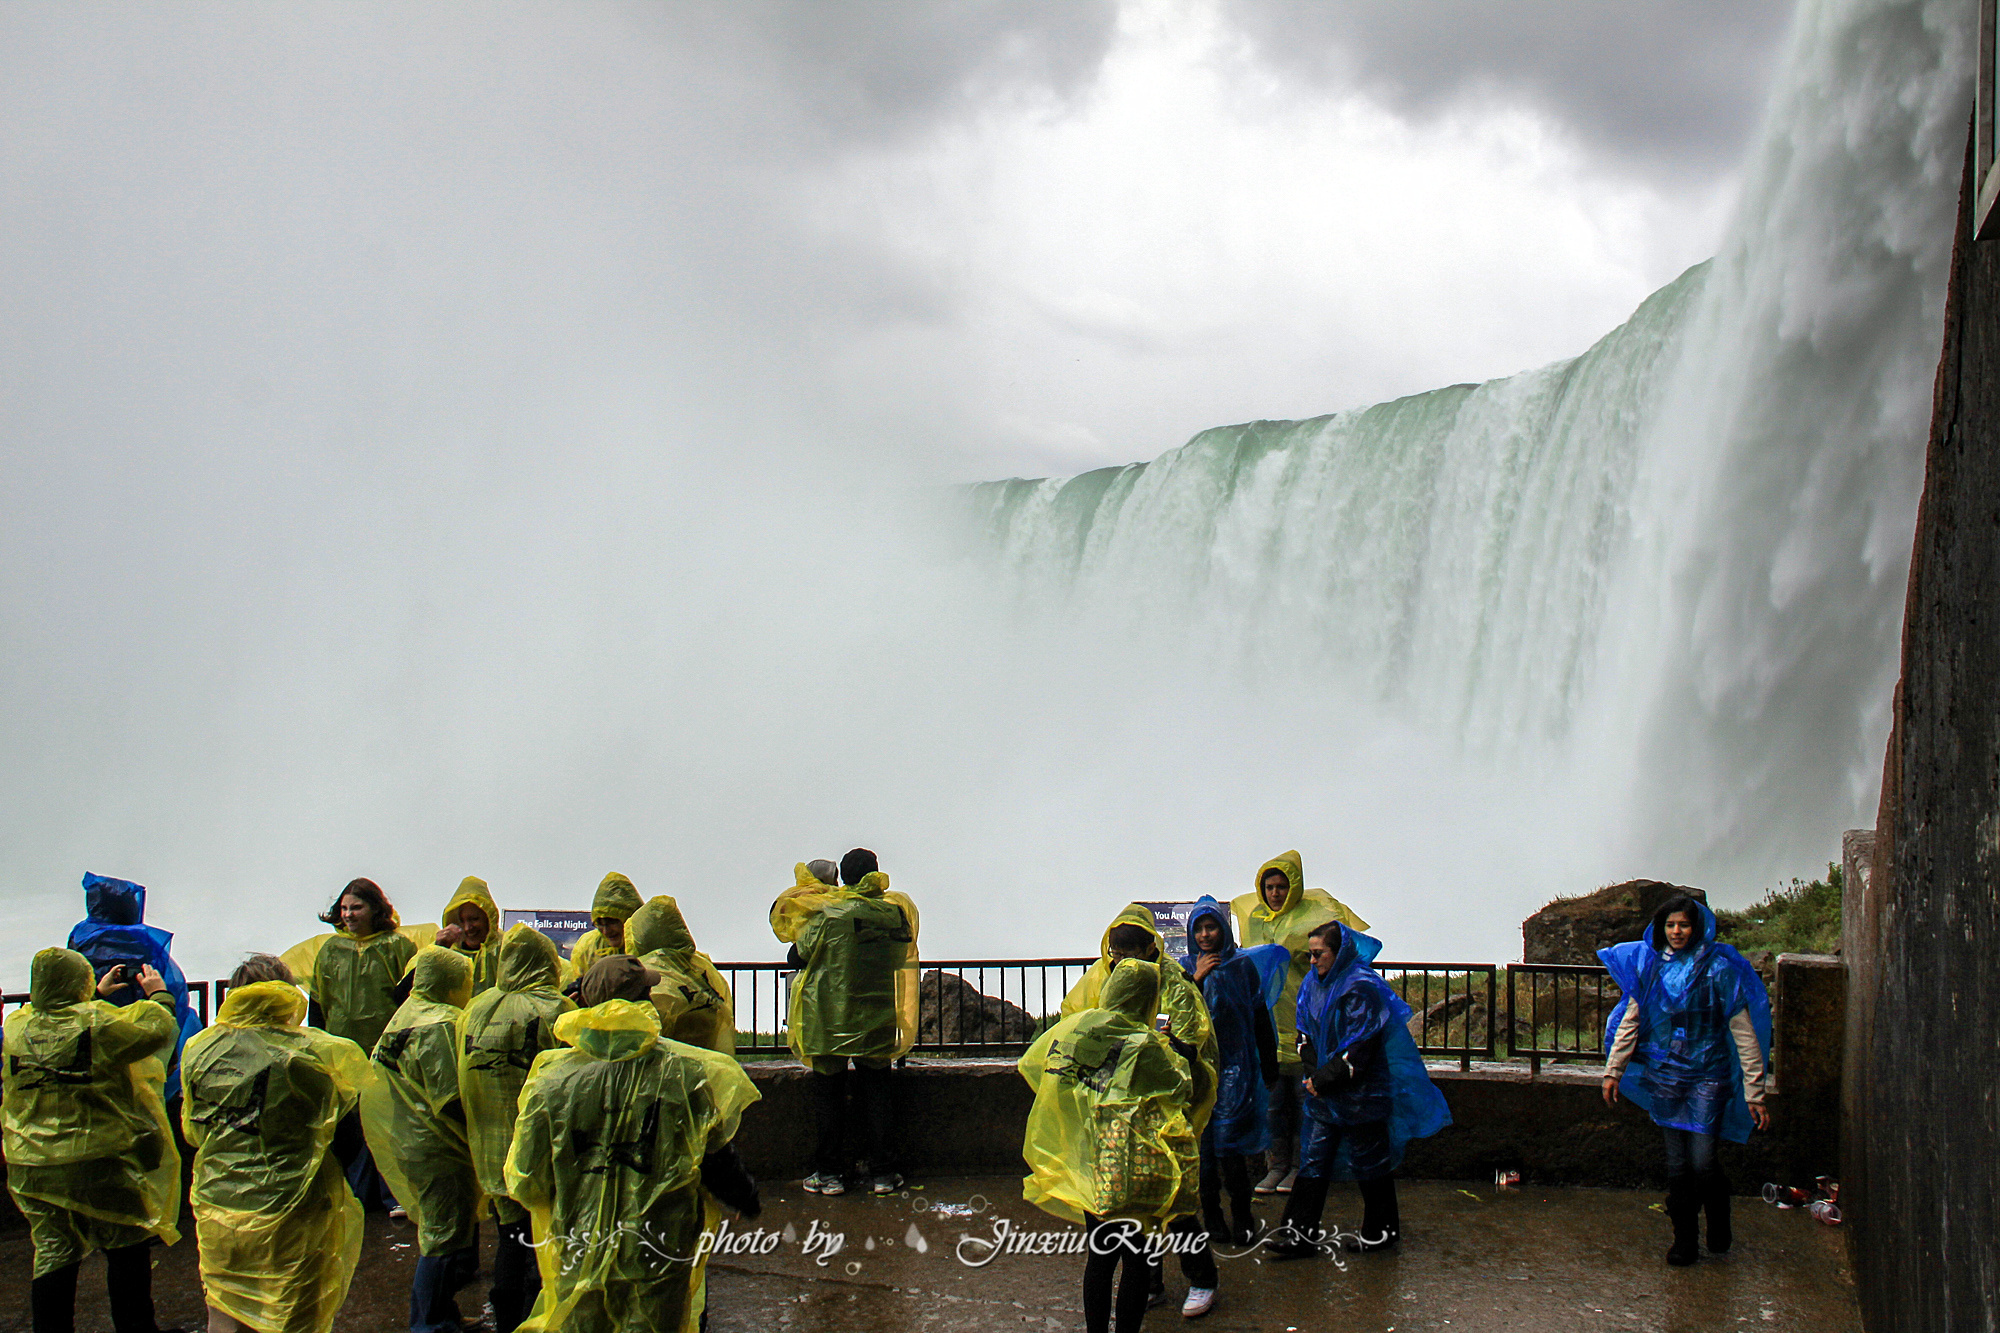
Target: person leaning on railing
<point x="1690" y="1041"/>
<point x="854" y="998"/>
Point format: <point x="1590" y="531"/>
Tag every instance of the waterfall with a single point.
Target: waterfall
<point x="1667" y="573"/>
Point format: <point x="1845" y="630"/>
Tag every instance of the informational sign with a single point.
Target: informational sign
<point x="1170" y="919"/>
<point x="562" y="927"/>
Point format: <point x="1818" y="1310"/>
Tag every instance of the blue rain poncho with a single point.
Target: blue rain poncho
<point x="1236" y="989"/>
<point x="1352" y="1004"/>
<point x="1685" y="1072"/>
<point x="114" y="931"/>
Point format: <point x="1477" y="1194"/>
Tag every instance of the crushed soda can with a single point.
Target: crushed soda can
<point x="1506" y="1180"/>
<point x="1785" y="1196"/>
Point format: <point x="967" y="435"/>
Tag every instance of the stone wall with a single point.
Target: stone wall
<point x="1922" y="1164"/>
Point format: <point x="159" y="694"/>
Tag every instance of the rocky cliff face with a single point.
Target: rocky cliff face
<point x="1572" y="930"/>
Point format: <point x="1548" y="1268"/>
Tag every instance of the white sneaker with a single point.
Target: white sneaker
<point x="1269" y="1184"/>
<point x="1199" y="1299"/>
<point x="1285" y="1185"/>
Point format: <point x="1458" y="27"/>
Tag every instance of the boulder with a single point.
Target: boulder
<point x="1572" y="930"/>
<point x="952" y="1011"/>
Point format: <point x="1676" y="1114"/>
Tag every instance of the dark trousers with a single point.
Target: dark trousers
<point x="1107" y="1248"/>
<point x="1197" y="1259"/>
<point x="1220" y="1172"/>
<point x="1689" y="1152"/>
<point x="128" y="1279"/>
<point x="855" y="1113"/>
<point x="350" y="1149"/>
<point x="438" y="1279"/>
<point x="516" y="1278"/>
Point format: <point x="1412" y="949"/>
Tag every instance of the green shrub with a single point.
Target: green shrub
<point x="1794" y="918"/>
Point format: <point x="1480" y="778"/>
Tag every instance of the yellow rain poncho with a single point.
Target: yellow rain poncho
<point x="797" y="905"/>
<point x="504" y="1030"/>
<point x="856" y="989"/>
<point x="485" y="959"/>
<point x="353" y="977"/>
<point x="278" y="1229"/>
<point x="616" y="898"/>
<point x="1180" y="1000"/>
<point x="91" y="1160"/>
<point x="1257" y="923"/>
<point x="1109" y="1132"/>
<point x="411" y="1109"/>
<point x="694" y="1001"/>
<point x="607" y="1159"/>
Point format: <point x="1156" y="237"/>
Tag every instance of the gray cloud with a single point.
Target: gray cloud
<point x="1675" y="86"/>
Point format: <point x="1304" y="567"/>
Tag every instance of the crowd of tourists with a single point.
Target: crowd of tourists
<point x="451" y="1073"/>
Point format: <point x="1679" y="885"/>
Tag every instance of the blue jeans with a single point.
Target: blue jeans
<point x="437" y="1279"/>
<point x="1688" y="1151"/>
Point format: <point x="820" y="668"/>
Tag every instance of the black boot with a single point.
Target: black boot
<point x="1303" y="1237"/>
<point x="1381" y="1219"/>
<point x="1715" y="1198"/>
<point x="1684" y="1211"/>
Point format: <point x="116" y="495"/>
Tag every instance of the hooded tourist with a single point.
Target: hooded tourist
<point x="693" y="999"/>
<point x="415" y="1118"/>
<point x="1282" y="910"/>
<point x="1133" y="934"/>
<point x="1239" y="986"/>
<point x="470" y="926"/>
<point x="91" y="1160"/>
<point x="815" y="884"/>
<point x="610" y="909"/>
<point x="1689" y="1043"/>
<point x="1367" y="1093"/>
<point x="1109" y="1143"/>
<point x="351" y="978"/>
<point x="854" y="999"/>
<point x="278" y="1229"/>
<point x="114" y="934"/>
<point x="622" y="1139"/>
<point x="504" y="1030"/>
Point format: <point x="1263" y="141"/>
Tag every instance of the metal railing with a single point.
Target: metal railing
<point x="1557" y="1011"/>
<point x="997" y="1006"/>
<point x="197" y="993"/>
<point x="1447" y="999"/>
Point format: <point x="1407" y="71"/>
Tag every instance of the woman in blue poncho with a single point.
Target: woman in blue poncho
<point x="1688" y="1044"/>
<point x="1367" y="1094"/>
<point x="1239" y="986"/>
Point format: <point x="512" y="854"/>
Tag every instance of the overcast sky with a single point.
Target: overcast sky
<point x="353" y="355"/>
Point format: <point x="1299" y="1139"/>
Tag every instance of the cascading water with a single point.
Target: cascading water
<point x="1669" y="572"/>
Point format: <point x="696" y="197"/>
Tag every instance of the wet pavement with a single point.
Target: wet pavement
<point x="1471" y="1260"/>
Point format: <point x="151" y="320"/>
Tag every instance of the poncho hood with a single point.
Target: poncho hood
<point x="1133" y="991"/>
<point x="614" y="1030"/>
<point x="1656" y="933"/>
<point x="1132" y="914"/>
<point x="441" y="976"/>
<point x="114" y="902"/>
<point x="1295" y="878"/>
<point x="660" y="926"/>
<point x="1207" y="908"/>
<point x="616" y="897"/>
<point x="264" y="1004"/>
<point x="472" y="889"/>
<point x="528" y="959"/>
<point x="872" y="885"/>
<point x="59" y="978"/>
